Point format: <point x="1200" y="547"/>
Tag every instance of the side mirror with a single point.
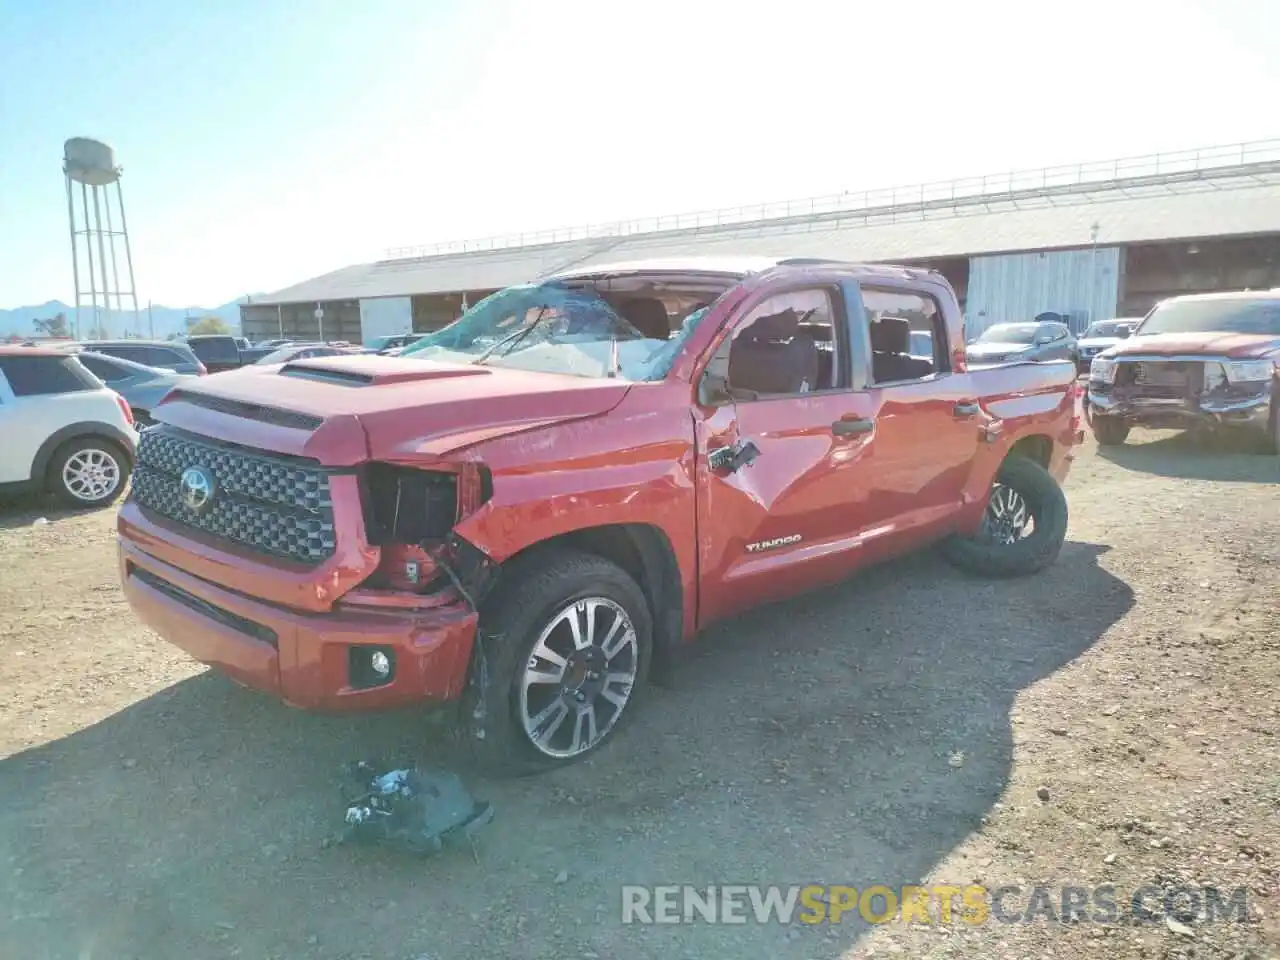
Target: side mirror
<point x="1123" y="332"/>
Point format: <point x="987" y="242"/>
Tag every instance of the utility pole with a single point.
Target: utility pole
<point x="151" y="321"/>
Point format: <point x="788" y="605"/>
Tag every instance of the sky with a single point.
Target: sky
<point x="265" y="142"/>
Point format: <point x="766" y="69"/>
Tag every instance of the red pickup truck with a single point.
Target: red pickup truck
<point x="1204" y="361"/>
<point x="523" y="511"/>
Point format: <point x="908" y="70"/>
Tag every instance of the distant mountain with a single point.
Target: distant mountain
<point x="167" y="320"/>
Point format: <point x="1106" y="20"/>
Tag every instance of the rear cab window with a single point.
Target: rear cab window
<point x="44" y="376"/>
<point x="907" y="333"/>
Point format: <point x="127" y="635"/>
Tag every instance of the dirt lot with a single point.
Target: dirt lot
<point x="902" y="728"/>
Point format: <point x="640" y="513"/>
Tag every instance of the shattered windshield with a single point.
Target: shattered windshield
<point x="1261" y="316"/>
<point x="549" y="327"/>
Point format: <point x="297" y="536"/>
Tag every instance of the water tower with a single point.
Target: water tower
<point x="90" y="165"/>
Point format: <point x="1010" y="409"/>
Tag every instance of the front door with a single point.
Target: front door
<point x="782" y="488"/>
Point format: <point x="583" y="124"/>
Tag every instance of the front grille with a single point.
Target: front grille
<point x="1161" y="379"/>
<point x="279" y="506"/>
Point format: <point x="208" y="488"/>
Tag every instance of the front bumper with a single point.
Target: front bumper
<point x="305" y="659"/>
<point x="1251" y="412"/>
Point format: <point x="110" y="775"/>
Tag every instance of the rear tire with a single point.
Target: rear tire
<point x="1109" y="431"/>
<point x="88" y="472"/>
<point x="523" y="630"/>
<point x="1047" y="506"/>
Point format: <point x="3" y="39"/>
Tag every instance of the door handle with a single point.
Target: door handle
<point x="851" y="427"/>
<point x="966" y="409"/>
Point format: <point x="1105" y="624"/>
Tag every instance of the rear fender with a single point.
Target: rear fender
<point x="1043" y="416"/>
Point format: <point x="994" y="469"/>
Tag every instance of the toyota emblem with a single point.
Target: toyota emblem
<point x="197" y="488"/>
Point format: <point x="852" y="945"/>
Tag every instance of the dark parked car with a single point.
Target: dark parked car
<point x="1019" y="342"/>
<point x="177" y="357"/>
<point x="216" y="351"/>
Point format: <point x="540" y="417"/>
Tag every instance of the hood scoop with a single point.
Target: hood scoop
<point x="360" y="372"/>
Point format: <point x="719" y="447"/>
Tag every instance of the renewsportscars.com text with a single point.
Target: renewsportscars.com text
<point x="972" y="905"/>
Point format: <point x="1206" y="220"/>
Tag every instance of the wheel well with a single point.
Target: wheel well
<point x="645" y="553"/>
<point x="1037" y="447"/>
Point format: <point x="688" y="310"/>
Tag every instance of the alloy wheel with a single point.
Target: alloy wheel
<point x="91" y="474"/>
<point x="579" y="677"/>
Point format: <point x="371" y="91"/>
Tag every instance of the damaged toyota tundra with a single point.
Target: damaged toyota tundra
<point x="528" y="513"/>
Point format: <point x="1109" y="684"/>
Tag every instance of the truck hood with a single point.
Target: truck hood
<point x="348" y="409"/>
<point x="1238" y="346"/>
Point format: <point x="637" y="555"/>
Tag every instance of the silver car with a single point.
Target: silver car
<point x="1020" y="342"/>
<point x="141" y="386"/>
<point x="1101" y="335"/>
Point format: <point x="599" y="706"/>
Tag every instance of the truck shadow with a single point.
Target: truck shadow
<point x="809" y="742"/>
<point x="1237" y="457"/>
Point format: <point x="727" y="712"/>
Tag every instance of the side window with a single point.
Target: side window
<point x="42" y="376"/>
<point x="786" y="345"/>
<point x="103" y="369"/>
<point x="908" y="335"/>
<point x="135" y="354"/>
<point x="158" y="357"/>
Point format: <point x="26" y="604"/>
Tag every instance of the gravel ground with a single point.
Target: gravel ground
<point x="1112" y="721"/>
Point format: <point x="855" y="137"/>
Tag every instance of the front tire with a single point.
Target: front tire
<point x="566" y="646"/>
<point x="1109" y="431"/>
<point x="88" y="472"/>
<point x="1023" y="528"/>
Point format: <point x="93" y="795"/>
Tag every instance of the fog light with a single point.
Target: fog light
<point x="369" y="666"/>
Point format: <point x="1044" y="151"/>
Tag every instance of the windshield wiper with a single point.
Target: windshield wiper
<point x="517" y="336"/>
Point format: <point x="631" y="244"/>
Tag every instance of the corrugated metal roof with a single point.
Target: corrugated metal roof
<point x="1232" y="205"/>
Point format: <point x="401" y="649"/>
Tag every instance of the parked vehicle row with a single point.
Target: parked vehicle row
<point x="521" y="514"/>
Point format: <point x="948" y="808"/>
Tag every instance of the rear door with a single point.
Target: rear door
<point x="926" y="413"/>
<point x="783" y="438"/>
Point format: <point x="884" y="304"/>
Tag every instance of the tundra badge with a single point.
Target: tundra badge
<point x="771" y="544"/>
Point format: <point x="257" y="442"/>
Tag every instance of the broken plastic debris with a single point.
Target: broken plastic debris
<point x="418" y="811"/>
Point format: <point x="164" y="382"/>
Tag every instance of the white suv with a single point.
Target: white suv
<point x="62" y="429"/>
